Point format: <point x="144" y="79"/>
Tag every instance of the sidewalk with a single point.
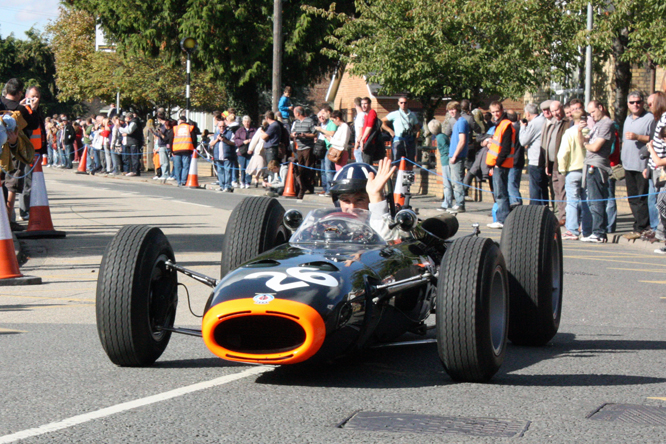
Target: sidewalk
<point x="427" y="204"/>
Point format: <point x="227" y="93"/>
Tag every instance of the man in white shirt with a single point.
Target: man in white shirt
<point x="358" y="129"/>
<point x="530" y="137"/>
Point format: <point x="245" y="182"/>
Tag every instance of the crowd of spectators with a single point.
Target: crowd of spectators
<point x="573" y="154"/>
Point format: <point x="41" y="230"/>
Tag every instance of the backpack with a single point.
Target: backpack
<point x="374" y="145"/>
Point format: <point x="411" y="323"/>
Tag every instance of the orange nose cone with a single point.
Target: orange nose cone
<point x="263" y="330"/>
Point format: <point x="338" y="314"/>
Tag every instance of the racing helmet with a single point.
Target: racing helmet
<point x="351" y="179"/>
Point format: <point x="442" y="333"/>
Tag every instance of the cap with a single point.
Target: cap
<point x="10" y="122"/>
<point x="545" y="105"/>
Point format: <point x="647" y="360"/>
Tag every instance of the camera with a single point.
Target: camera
<point x="524" y="121"/>
<point x="643" y="153"/>
<point x="28" y="101"/>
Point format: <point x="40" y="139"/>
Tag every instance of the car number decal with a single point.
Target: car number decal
<point x="304" y="275"/>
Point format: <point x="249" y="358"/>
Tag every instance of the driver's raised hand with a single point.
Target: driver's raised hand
<point x="375" y="184"/>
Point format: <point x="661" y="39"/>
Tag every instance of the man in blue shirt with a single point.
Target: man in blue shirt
<point x="457" y="154"/>
<point x="405" y="126"/>
<point x="285" y="106"/>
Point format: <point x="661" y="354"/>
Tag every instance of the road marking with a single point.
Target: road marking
<point x="86" y="417"/>
<point x="8" y="330"/>
<point x="611" y="260"/>
<point x="196" y="204"/>
<point x="660" y="399"/>
<point x="638" y="269"/>
<point x="46" y="298"/>
<point x="654" y="282"/>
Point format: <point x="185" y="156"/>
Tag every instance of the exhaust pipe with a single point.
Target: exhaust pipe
<point x="278" y="331"/>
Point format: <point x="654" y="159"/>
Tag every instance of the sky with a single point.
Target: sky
<point x="18" y="16"/>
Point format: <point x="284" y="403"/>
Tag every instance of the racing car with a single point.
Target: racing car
<point x="298" y="289"/>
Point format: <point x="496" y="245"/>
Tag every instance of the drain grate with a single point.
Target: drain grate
<point x="410" y="423"/>
<point x="630" y="414"/>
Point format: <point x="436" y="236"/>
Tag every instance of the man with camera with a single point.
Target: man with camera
<point x="638" y="127"/>
<point x="405" y="128"/>
<point x="303" y="133"/>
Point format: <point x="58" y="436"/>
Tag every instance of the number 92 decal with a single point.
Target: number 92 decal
<point x="304" y="275"/>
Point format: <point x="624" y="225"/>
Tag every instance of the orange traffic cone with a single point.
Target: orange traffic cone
<point x="193" y="174"/>
<point x="83" y="164"/>
<point x="45" y="160"/>
<point x="400" y="189"/>
<point x="39" y="224"/>
<point x="9" y="267"/>
<point x="289" y="190"/>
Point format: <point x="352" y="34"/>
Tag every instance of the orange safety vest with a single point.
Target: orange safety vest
<point x="36" y="138"/>
<point x="495" y="145"/>
<point x="182" y="138"/>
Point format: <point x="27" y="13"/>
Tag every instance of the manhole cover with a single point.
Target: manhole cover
<point x="630" y="414"/>
<point x="410" y="423"/>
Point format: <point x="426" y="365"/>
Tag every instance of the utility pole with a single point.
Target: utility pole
<point x="588" y="59"/>
<point x="277" y="52"/>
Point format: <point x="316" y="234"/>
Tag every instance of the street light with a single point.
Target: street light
<point x="189" y="45"/>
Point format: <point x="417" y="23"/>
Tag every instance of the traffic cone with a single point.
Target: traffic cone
<point x="9" y="267"/>
<point x="289" y="190"/>
<point x="400" y="189"/>
<point x="45" y="160"/>
<point x="193" y="175"/>
<point x="39" y="224"/>
<point x="82" y="169"/>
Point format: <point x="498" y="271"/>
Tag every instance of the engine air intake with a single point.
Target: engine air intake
<point x="259" y="334"/>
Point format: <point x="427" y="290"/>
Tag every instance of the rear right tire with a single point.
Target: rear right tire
<point x="255" y="226"/>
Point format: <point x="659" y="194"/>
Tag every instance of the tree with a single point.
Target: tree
<point x="461" y="48"/>
<point x="629" y="31"/>
<point x="235" y="38"/>
<point x="144" y="82"/>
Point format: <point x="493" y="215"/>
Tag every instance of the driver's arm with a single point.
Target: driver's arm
<point x="380" y="217"/>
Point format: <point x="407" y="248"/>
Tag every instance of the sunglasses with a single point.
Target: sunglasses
<point x="635" y="102"/>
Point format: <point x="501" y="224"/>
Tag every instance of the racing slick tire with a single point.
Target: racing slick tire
<point x="532" y="247"/>
<point x="255" y="226"/>
<point x="136" y="296"/>
<point x="472" y="309"/>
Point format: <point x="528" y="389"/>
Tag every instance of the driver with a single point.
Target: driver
<point x="361" y="186"/>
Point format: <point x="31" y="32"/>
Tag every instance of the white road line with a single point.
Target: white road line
<point x="196" y="204"/>
<point x="86" y="417"/>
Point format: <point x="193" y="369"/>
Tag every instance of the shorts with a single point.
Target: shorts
<point x="14" y="180"/>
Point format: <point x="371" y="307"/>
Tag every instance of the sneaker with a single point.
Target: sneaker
<point x="130" y="174"/>
<point x="648" y="235"/>
<point x="171" y="178"/>
<point x="469" y="199"/>
<point x="570" y="236"/>
<point x="156" y="178"/>
<point x="223" y="190"/>
<point x="24" y="218"/>
<point x="632" y="236"/>
<point x="16" y="226"/>
<point x="456" y="209"/>
<point x="234" y="185"/>
<point x="496" y="225"/>
<point x="442" y="209"/>
<point x="661" y="250"/>
<point x="247" y="186"/>
<point x="593" y="238"/>
<point x="215" y="183"/>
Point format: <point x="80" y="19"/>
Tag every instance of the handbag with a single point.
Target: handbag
<point x="334" y="155"/>
<point x="618" y="172"/>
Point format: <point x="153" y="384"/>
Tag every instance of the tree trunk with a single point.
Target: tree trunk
<point x="622" y="76"/>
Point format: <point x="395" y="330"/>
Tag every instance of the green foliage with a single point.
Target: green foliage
<point x="235" y="38"/>
<point x="84" y="74"/>
<point x="437" y="48"/>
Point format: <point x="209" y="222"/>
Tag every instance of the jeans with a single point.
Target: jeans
<point x="68" y="155"/>
<point x="358" y="155"/>
<point x="51" y="154"/>
<point x="404" y="147"/>
<point x="611" y="207"/>
<point x="577" y="210"/>
<point x="126" y="159"/>
<point x="448" y="189"/>
<point x="515" y="174"/>
<point x="597" y="193"/>
<point x="134" y="160"/>
<point x="181" y="167"/>
<point x="165" y="163"/>
<point x="225" y="172"/>
<point x="327" y="173"/>
<point x="501" y="187"/>
<point x="98" y="160"/>
<point x="24" y="197"/>
<point x="538" y="185"/>
<point x="457" y="170"/>
<point x="107" y="158"/>
<point x="245" y="178"/>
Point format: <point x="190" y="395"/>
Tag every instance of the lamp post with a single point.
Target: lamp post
<point x="189" y="45"/>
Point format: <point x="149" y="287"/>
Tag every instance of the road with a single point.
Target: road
<point x="58" y="385"/>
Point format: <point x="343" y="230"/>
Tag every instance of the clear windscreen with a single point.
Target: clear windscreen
<point x="333" y="226"/>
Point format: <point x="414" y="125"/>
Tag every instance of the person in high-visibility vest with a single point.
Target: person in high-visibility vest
<point x="500" y="158"/>
<point x="183" y="146"/>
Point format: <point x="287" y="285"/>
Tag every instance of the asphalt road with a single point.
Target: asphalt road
<point x="58" y="386"/>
